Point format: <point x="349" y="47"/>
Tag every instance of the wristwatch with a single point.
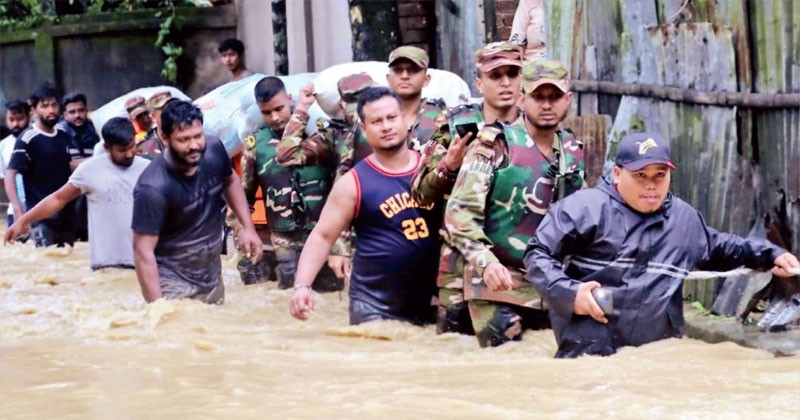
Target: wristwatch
<point x="300" y="286"/>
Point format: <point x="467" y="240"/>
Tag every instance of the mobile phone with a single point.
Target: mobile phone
<point x="464" y="129"/>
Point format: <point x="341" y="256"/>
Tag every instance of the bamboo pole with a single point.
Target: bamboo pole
<point x="690" y="96"/>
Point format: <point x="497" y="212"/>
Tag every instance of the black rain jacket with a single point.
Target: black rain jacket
<point x="641" y="258"/>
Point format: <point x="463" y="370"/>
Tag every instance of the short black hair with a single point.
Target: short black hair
<point x="373" y="94"/>
<point x="267" y="88"/>
<point x="72" y="98"/>
<point x="19" y="106"/>
<point x="118" y="131"/>
<point x="232" y="44"/>
<point x="177" y="113"/>
<point x="45" y="91"/>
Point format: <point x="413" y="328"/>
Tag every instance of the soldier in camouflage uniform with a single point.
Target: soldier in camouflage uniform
<point x="311" y="159"/>
<point x="350" y="87"/>
<point x="152" y="146"/>
<point x="509" y="178"/>
<point x="281" y="186"/>
<point x="499" y="79"/>
<point x="408" y="74"/>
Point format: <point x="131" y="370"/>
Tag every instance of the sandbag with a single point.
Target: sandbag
<point x="230" y="111"/>
<point x="444" y="84"/>
<point x="116" y="107"/>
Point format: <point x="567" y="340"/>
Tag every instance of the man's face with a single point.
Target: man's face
<point x="407" y="79"/>
<point x="144" y="121"/>
<point x="546" y="106"/>
<point x="500" y="87"/>
<point x="349" y="117"/>
<point x="383" y="124"/>
<point x="644" y="190"/>
<point x="122" y="155"/>
<point x="231" y="60"/>
<point x="47" y="112"/>
<point x="187" y="144"/>
<point x="75" y="114"/>
<point x="276" y="111"/>
<point x="16" y="122"/>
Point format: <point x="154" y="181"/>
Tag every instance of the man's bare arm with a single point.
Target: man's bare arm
<point x="146" y="268"/>
<point x="336" y="216"/>
<point x="51" y="205"/>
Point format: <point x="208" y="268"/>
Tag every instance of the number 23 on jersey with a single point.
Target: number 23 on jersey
<point x="415" y="229"/>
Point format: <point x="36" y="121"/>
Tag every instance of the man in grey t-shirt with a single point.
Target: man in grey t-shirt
<point x="108" y="181"/>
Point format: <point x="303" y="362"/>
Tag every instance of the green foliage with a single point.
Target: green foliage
<point x="23" y="14"/>
<point x="27" y="14"/>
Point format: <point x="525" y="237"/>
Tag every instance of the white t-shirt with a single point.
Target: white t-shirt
<point x="6" y="149"/>
<point x="109" y="192"/>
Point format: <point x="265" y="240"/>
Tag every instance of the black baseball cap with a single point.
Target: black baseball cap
<point x="638" y="150"/>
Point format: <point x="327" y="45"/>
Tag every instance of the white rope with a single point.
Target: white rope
<point x="701" y="275"/>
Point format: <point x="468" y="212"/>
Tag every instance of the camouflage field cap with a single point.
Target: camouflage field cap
<point x="350" y="87"/>
<point x="497" y="54"/>
<point x="542" y="72"/>
<point x="416" y="55"/>
<point x="158" y="100"/>
<point x="134" y="106"/>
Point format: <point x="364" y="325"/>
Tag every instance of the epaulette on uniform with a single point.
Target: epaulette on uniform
<point x="437" y="102"/>
<point x="491" y="132"/>
<point x="463" y="108"/>
<point x="250" y="142"/>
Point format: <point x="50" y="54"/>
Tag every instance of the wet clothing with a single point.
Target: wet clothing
<point x="43" y="160"/>
<point x="108" y="189"/>
<point x="6" y="149"/>
<point x="177" y="289"/>
<point x="394" y="265"/>
<point x="505" y="187"/>
<point x="641" y="258"/>
<point x="185" y="213"/>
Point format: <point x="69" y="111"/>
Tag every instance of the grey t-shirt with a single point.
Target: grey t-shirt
<point x="109" y="190"/>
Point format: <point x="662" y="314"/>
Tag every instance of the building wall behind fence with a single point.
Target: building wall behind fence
<point x="107" y="55"/>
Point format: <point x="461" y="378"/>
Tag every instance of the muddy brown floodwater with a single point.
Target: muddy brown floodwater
<point x="81" y="344"/>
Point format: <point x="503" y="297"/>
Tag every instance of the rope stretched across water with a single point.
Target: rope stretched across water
<point x="702" y="275"/>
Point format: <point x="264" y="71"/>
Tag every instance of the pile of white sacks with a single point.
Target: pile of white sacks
<point x="230" y="111"/>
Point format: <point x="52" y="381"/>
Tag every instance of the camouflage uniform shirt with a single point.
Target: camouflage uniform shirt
<point x="502" y="192"/>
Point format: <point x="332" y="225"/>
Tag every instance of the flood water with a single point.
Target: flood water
<point x="81" y="344"/>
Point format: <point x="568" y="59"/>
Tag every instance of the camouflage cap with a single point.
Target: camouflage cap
<point x="497" y="54"/>
<point x="134" y="106"/>
<point x="416" y="55"/>
<point x="350" y="87"/>
<point x="541" y="72"/>
<point x="158" y="100"/>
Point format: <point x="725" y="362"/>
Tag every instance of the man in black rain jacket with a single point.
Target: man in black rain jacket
<point x="632" y="237"/>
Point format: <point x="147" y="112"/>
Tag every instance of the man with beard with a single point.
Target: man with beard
<point x="80" y="129"/>
<point x="17" y="118"/>
<point x="510" y="177"/>
<point x="394" y="265"/>
<point x="107" y="180"/>
<point x="177" y="216"/>
<point x="83" y="138"/>
<point x="499" y="79"/>
<point x="41" y="155"/>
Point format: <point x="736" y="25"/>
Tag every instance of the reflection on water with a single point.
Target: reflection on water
<point x="78" y="344"/>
